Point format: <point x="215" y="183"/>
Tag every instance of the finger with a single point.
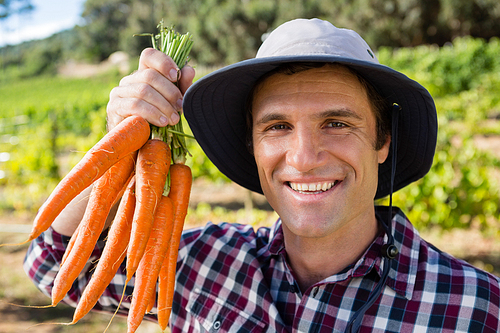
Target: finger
<point x="151" y="58"/>
<point x="154" y="88"/>
<point x="151" y="78"/>
<point x="112" y="116"/>
<point x="142" y="99"/>
<point x="126" y="107"/>
<point x="186" y="78"/>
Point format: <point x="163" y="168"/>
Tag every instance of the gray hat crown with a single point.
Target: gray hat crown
<point x="315" y="37"/>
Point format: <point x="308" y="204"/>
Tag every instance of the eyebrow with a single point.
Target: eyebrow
<point x="339" y="113"/>
<point x="271" y="117"/>
<point x="334" y="113"/>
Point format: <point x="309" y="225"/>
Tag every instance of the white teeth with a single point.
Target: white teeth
<point x="312" y="188"/>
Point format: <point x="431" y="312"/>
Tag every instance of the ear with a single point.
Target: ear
<point x="384" y="151"/>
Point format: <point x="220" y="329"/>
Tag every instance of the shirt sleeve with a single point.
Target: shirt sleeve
<point x="43" y="259"/>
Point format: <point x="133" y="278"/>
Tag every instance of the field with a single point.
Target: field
<point x="47" y="123"/>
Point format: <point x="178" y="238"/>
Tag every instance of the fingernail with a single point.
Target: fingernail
<point x="174" y="118"/>
<point x="179" y="104"/>
<point x="173" y="75"/>
<point x="163" y="120"/>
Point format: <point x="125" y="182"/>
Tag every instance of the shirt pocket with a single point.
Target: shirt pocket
<point x="215" y="315"/>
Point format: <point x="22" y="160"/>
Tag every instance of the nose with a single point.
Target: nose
<point x="305" y="151"/>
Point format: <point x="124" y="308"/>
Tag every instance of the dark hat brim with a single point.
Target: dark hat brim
<point x="214" y="107"/>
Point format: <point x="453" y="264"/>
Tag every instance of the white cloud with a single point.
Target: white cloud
<point x="49" y="17"/>
<point x="35" y="32"/>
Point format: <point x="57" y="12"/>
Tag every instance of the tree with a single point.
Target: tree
<point x="476" y="18"/>
<point x="10" y="7"/>
<point x="401" y="23"/>
<point x="144" y="17"/>
<point x="231" y="30"/>
<point x="100" y="36"/>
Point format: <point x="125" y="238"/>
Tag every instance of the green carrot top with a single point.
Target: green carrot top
<point x="177" y="46"/>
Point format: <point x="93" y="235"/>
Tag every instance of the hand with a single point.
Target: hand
<point x="151" y="91"/>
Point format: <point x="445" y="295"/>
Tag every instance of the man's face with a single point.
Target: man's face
<point x="313" y="139"/>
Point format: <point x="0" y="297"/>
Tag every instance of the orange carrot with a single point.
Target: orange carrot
<point x="75" y="234"/>
<point x="101" y="198"/>
<point x="71" y="243"/>
<point x="127" y="137"/>
<point x="112" y="256"/>
<point x="150" y="265"/>
<point x="151" y="172"/>
<point x="152" y="300"/>
<point x="180" y="190"/>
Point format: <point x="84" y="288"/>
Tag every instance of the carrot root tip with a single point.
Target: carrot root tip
<point x="117" y="308"/>
<point x="30" y="306"/>
<point x="17" y="244"/>
<point x="40" y="324"/>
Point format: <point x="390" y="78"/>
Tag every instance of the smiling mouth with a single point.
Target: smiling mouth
<point x="312" y="188"/>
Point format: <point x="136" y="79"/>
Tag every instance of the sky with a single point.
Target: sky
<point x="48" y="17"/>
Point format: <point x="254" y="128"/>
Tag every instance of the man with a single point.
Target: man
<point x="321" y="129"/>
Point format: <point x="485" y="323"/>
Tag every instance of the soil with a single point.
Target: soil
<point x="118" y="61"/>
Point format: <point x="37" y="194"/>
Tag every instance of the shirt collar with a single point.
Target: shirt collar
<point x="403" y="269"/>
<point x="403" y="272"/>
<point x="277" y="243"/>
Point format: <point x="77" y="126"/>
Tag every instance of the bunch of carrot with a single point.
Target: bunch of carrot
<point x="131" y="162"/>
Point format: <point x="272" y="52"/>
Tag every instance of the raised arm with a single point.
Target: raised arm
<point x="151" y="92"/>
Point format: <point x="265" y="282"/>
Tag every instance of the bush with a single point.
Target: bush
<point x="459" y="190"/>
<point x="464" y="79"/>
<point x="464" y="74"/>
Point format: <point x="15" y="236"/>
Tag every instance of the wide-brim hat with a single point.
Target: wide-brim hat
<point x="215" y="105"/>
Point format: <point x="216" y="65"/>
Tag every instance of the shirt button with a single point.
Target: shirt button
<point x="217" y="325"/>
<point x="293" y="289"/>
<point x="315" y="292"/>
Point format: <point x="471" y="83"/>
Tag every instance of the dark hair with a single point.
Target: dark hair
<point x="381" y="107"/>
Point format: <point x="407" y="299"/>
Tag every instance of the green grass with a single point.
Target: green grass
<point x="53" y="92"/>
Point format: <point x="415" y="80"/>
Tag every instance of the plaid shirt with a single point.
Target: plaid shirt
<point x="234" y="279"/>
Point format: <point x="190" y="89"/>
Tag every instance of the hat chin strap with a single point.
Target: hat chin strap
<point x="389" y="250"/>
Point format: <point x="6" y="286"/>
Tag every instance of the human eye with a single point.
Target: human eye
<point x="335" y="124"/>
<point x="278" y="127"/>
